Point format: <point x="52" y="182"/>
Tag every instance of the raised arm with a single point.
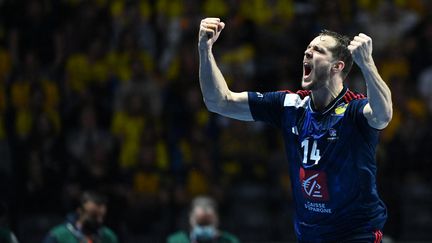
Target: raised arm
<point x="379" y="109"/>
<point x="217" y="96"/>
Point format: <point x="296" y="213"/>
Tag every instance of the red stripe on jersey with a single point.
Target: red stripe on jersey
<point x="301" y="93"/>
<point x="378" y="236"/>
<point x="349" y="96"/>
<point x="361" y="96"/>
<point x="346" y="98"/>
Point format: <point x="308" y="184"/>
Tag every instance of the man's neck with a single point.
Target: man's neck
<point x="324" y="96"/>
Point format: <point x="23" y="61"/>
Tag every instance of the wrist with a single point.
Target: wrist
<point x="367" y="65"/>
<point x="203" y="46"/>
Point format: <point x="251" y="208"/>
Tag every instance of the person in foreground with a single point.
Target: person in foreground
<point x="84" y="225"/>
<point x="203" y="220"/>
<point x="330" y="133"/>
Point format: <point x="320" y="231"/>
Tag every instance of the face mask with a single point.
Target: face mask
<point x="90" y="226"/>
<point x="203" y="234"/>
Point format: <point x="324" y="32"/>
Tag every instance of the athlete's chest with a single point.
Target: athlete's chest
<point x="314" y="137"/>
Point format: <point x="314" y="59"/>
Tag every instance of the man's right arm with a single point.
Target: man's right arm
<point x="217" y="96"/>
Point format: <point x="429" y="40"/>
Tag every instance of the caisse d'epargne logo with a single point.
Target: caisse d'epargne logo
<point x="314" y="185"/>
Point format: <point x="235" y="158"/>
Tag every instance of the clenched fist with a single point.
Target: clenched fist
<point x="209" y="31"/>
<point x="361" y="49"/>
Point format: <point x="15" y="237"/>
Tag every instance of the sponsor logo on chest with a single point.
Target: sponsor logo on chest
<point x="314" y="189"/>
<point x="314" y="184"/>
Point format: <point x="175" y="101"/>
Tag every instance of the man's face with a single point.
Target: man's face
<point x="317" y="62"/>
<point x="203" y="222"/>
<point x="204" y="217"/>
<point x="93" y="212"/>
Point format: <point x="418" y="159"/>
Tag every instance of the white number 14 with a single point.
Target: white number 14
<point x="315" y="153"/>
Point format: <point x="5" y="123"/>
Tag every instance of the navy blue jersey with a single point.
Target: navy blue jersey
<point x="331" y="157"/>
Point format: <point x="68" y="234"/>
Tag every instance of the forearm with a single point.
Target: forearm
<point x="379" y="109"/>
<point x="213" y="85"/>
<point x="217" y="97"/>
<point x="379" y="95"/>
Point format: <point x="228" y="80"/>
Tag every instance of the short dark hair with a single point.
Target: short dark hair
<point x="340" y="51"/>
<point x="91" y="196"/>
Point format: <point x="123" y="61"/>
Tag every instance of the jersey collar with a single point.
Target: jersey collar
<point x="331" y="105"/>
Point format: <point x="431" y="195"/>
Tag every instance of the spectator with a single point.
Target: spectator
<point x="203" y="220"/>
<point x="86" y="224"/>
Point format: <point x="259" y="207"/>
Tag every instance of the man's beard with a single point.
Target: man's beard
<point x="320" y="80"/>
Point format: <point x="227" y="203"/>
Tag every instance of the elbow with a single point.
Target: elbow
<point x="388" y="114"/>
<point x="219" y="104"/>
<point x="385" y="117"/>
<point x="212" y="105"/>
<point x="385" y="120"/>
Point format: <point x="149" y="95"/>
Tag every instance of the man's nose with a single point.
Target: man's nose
<point x="308" y="54"/>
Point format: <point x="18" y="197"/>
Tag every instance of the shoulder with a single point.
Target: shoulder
<point x="355" y="101"/>
<point x="301" y="93"/>
<point x="59" y="230"/>
<point x="178" y="237"/>
<point x="353" y="96"/>
<point x="57" y="233"/>
<point x="108" y="234"/>
<point x="296" y="99"/>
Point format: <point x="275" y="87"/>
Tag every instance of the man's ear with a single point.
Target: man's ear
<point x="338" y="66"/>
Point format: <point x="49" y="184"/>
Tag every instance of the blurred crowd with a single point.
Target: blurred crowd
<point x="104" y="95"/>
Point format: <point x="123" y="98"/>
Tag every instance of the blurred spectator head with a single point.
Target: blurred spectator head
<point x="203" y="219"/>
<point x="91" y="212"/>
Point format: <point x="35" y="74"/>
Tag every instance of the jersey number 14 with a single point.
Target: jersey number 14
<point x="314" y="153"/>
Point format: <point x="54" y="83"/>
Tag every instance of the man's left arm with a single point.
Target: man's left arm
<point x="378" y="111"/>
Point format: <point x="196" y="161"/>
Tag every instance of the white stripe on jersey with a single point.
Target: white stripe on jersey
<point x="295" y="100"/>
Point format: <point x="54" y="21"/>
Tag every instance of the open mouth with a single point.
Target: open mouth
<point x="307" y="69"/>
